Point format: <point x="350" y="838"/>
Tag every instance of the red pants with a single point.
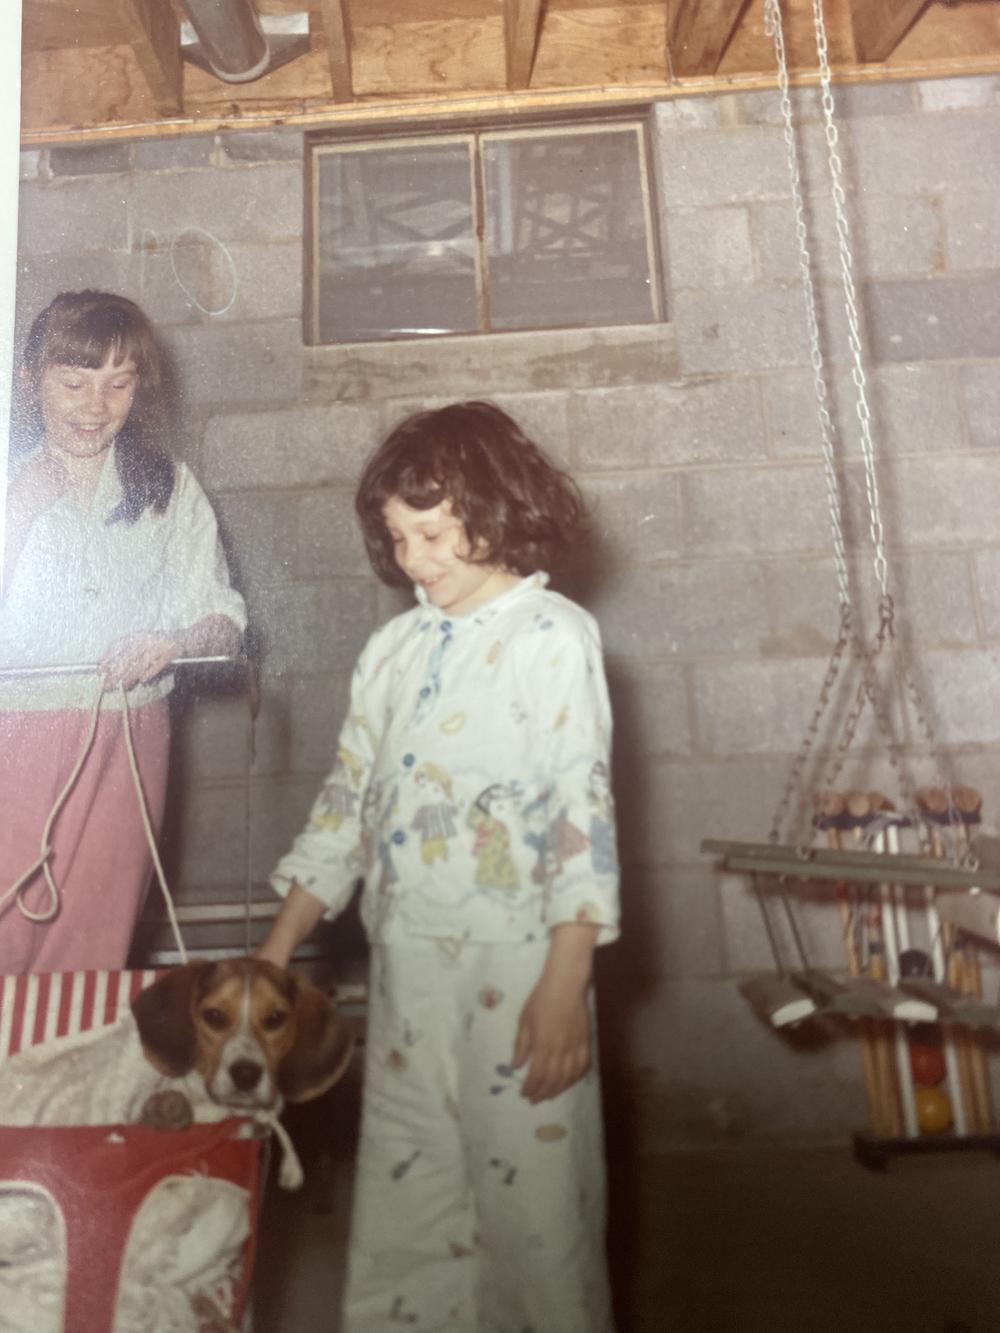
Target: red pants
<point x="100" y="857"/>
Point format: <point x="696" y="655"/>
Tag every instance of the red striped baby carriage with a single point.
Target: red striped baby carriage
<point x="124" y="1228"/>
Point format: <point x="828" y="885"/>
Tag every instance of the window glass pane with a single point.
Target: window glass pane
<point x="396" y="243"/>
<point x="566" y="230"/>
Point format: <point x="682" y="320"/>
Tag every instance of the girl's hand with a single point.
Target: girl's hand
<point x="136" y="659"/>
<point x="553" y="1031"/>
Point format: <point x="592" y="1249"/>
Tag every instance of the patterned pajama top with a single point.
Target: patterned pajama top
<point x="471" y="788"/>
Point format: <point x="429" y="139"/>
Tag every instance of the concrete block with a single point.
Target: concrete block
<point x="851" y="102"/>
<point x="211" y="738"/>
<point x="707" y="1071"/>
<point x="980" y="389"/>
<point x="961" y="692"/>
<point x="90" y="159"/>
<point x="687" y="113"/>
<point x="184" y="152"/>
<point x="40" y="277"/>
<point x="752" y="328"/>
<point x="677" y="804"/>
<point x="318" y="707"/>
<point x="722" y="168"/>
<point x="986" y="565"/>
<point x="68" y="216"/>
<point x="683" y="609"/>
<point x="208" y="844"/>
<point x="708" y="248"/>
<point x="192" y="275"/>
<point x="314" y="628"/>
<point x="30" y="168"/>
<point x="669" y="424"/>
<point x="763" y="708"/>
<point x="299" y="446"/>
<point x="329" y="542"/>
<point x="959" y="94"/>
<point x="933" y="592"/>
<point x="915" y="409"/>
<point x="752" y="511"/>
<point x="939" y="320"/>
<point x="944" y="502"/>
<point x="240" y="364"/>
<point x="260" y="533"/>
<point x="890" y="237"/>
<point x="907" y="155"/>
<point x="747" y="948"/>
<point x="635" y="518"/>
<point x="671" y="926"/>
<point x="972" y="227"/>
<point x="262" y="145"/>
<point x="259" y="203"/>
<point x="649" y="703"/>
<point x="488" y="366"/>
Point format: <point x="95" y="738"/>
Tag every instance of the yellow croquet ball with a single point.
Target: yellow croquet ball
<point x="933" y="1110"/>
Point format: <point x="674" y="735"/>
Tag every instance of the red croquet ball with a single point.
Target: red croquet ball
<point x="926" y="1063"/>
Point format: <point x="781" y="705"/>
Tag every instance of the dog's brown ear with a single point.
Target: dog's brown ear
<point x="166" y="1026"/>
<point x="324" y="1043"/>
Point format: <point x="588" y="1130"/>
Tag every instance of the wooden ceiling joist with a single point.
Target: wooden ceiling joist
<point x="522" y="19"/>
<point x="880" y="25"/>
<point x="152" y="30"/>
<point x="698" y="32"/>
<point x="337" y="25"/>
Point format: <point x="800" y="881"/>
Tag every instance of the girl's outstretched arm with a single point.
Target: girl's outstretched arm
<point x="553" y="1032"/>
<point x="296" y="917"/>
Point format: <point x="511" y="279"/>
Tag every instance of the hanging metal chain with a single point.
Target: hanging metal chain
<point x="850" y="299"/>
<point x="773" y="25"/>
<point x="868" y="689"/>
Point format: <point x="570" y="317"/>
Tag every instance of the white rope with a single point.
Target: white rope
<point x="19" y="887"/>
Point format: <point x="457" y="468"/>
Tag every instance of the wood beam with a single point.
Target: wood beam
<point x="154" y="34"/>
<point x="522" y="21"/>
<point x="698" y="32"/>
<point x="880" y="25"/>
<point x="337" y="25"/>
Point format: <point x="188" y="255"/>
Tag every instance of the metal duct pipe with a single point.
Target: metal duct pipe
<point x="234" y="44"/>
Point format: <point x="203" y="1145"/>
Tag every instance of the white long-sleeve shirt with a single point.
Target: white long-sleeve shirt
<point x="471" y="786"/>
<point x="80" y="583"/>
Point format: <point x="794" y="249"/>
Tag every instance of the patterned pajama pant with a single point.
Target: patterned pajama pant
<point x="475" y="1212"/>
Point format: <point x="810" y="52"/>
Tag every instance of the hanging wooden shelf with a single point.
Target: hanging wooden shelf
<point x="859" y="867"/>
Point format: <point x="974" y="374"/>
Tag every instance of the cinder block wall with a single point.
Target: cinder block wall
<point x="696" y="440"/>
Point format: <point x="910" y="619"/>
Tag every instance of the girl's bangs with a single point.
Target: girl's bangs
<point x="86" y="342"/>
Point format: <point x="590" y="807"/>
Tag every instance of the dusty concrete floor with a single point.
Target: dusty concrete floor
<point x="755" y="1240"/>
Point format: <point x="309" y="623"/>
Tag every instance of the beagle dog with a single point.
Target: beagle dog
<point x="203" y="1042"/>
<point x="252" y="1033"/>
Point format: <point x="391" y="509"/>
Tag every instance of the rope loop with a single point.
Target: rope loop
<point x="19" y="888"/>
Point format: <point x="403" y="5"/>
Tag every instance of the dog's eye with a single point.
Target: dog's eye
<point x="215" y="1018"/>
<point x="277" y="1018"/>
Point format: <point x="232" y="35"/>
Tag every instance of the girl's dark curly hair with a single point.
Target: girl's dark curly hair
<point x="520" y="511"/>
<point x="81" y="329"/>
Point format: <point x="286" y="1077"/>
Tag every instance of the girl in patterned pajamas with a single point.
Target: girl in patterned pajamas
<point x="479" y="1205"/>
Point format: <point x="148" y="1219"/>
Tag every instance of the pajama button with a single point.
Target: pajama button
<point x="399" y="837"/>
<point x="408" y="760"/>
<point x="425" y="692"/>
<point x="445" y="626"/>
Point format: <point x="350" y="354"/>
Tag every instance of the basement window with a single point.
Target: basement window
<point x="484" y="231"/>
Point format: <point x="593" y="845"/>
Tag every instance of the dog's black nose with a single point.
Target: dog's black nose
<point x="245" y="1074"/>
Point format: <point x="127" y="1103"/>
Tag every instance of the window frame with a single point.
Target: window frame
<point x="477" y="132"/>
